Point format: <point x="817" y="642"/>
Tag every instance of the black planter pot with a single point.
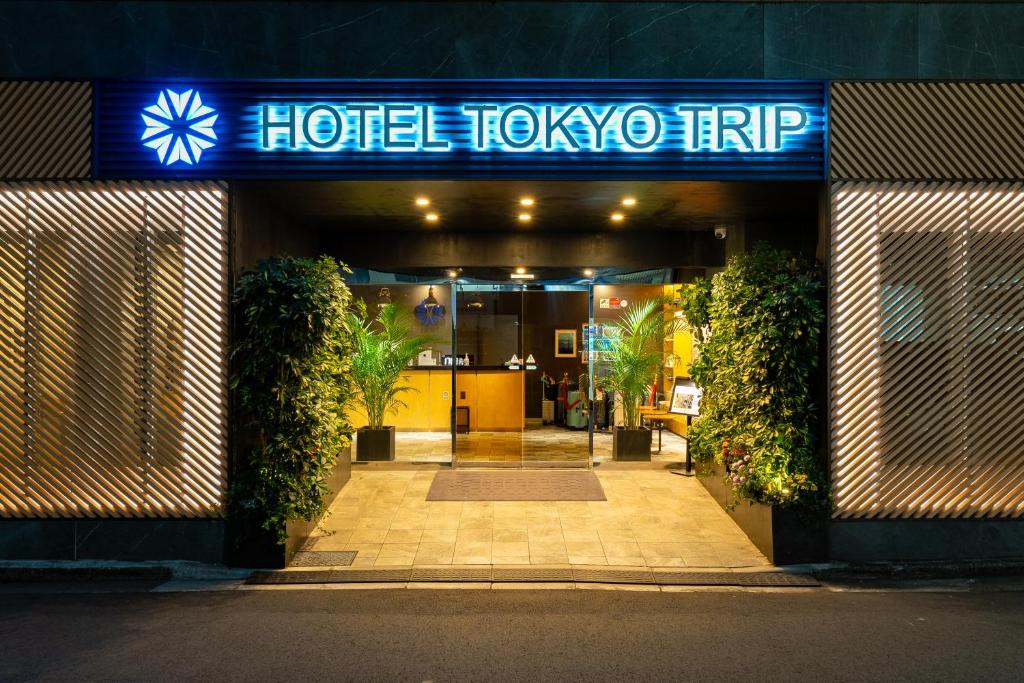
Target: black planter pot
<point x="250" y="545"/>
<point x="375" y="444"/>
<point x="784" y="535"/>
<point x="631" y="444"/>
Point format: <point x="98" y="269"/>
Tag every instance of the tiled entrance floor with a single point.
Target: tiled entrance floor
<point x="652" y="518"/>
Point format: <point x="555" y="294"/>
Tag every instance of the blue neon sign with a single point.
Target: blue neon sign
<point x="432" y="129"/>
<point x="179" y="127"/>
<point x="331" y="127"/>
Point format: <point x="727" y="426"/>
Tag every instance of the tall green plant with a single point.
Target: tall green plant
<point x="292" y="371"/>
<point x="383" y="346"/>
<point x="757" y="366"/>
<point x="637" y="354"/>
<point x="695" y="304"/>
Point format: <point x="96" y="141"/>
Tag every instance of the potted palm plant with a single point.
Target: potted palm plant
<point x="383" y="346"/>
<point x="636" y="358"/>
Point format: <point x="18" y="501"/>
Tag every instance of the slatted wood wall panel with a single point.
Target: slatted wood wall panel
<point x="926" y="131"/>
<point x="112" y="349"/>
<point x="927" y="349"/>
<point x="45" y="129"/>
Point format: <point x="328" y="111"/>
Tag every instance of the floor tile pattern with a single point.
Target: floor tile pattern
<point x="650" y="518"/>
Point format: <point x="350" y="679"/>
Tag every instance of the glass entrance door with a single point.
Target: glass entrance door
<point x="488" y="375"/>
<point x="557" y="425"/>
<point x="519" y="380"/>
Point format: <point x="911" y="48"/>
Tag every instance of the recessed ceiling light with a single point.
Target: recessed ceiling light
<point x="520" y="270"/>
<point x="422" y="201"/>
<point x="432" y="217"/>
<point x="525" y="218"/>
<point x="588" y="272"/>
<point x="629" y="201"/>
<point x="618" y="217"/>
<point x="453" y="274"/>
<point x="526" y="201"/>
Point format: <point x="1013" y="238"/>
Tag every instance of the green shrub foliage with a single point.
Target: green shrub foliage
<point x="695" y="304"/>
<point x="293" y="374"/>
<point x="756" y="365"/>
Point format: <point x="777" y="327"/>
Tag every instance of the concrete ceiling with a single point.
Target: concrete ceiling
<point x="562" y="206"/>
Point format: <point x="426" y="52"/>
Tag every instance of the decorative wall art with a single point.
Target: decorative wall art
<point x="565" y="343"/>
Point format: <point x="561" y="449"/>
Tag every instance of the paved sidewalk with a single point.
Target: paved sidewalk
<point x="652" y="518"/>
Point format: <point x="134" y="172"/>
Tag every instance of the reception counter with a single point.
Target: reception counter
<point x="494" y="398"/>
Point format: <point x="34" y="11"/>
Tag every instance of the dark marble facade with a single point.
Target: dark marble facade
<point x="827" y="40"/>
<point x="198" y="540"/>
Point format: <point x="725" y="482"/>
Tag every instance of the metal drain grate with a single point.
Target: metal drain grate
<point x="485" y="573"/>
<point x="370" y="575"/>
<point x="482" y="573"/>
<point x="613" y="575"/>
<point x="323" y="558"/>
<point x="526" y="574"/>
<point x="743" y="579"/>
<point x="299" y="576"/>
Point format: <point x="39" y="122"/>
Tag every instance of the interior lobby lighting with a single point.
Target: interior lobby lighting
<point x="525" y="218"/>
<point x="522" y="276"/>
<point x="526" y="201"/>
<point x="587" y="272"/>
<point x="452" y="274"/>
<point x="617" y="217"/>
<point x="422" y="201"/>
<point x="432" y="217"/>
<point x="520" y="270"/>
<point x="629" y="201"/>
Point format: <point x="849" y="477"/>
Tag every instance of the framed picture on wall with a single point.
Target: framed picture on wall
<point x="685" y="397"/>
<point x="565" y="343"/>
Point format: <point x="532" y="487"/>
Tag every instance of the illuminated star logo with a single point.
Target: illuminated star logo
<point x="179" y="127"/>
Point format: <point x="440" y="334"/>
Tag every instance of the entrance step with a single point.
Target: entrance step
<point x="489" y="574"/>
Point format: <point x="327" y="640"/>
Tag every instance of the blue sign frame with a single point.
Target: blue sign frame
<point x="411" y="129"/>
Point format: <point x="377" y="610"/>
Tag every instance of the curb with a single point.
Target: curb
<point x="919" y="571"/>
<point x="43" y="571"/>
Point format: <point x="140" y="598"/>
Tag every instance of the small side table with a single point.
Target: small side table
<point x="657" y="419"/>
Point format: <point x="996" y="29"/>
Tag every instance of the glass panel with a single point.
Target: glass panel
<point x="522" y="389"/>
<point x="557" y="407"/>
<point x="610" y="302"/>
<point x="423" y="424"/>
<point x="488" y="371"/>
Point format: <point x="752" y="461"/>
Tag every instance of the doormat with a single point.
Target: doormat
<point x="519" y="485"/>
<point x="323" y="558"/>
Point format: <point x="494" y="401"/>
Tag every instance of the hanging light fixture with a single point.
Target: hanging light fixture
<point x="383" y="297"/>
<point x="431" y="302"/>
<point x="429" y="311"/>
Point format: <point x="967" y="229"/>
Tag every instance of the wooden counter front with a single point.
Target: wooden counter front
<point x="494" y="399"/>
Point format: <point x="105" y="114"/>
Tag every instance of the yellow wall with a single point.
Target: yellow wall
<point x="682" y="348"/>
<point x="494" y="398"/>
<point x="499" y="404"/>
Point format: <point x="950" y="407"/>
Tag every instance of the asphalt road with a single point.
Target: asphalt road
<point x="514" y="635"/>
